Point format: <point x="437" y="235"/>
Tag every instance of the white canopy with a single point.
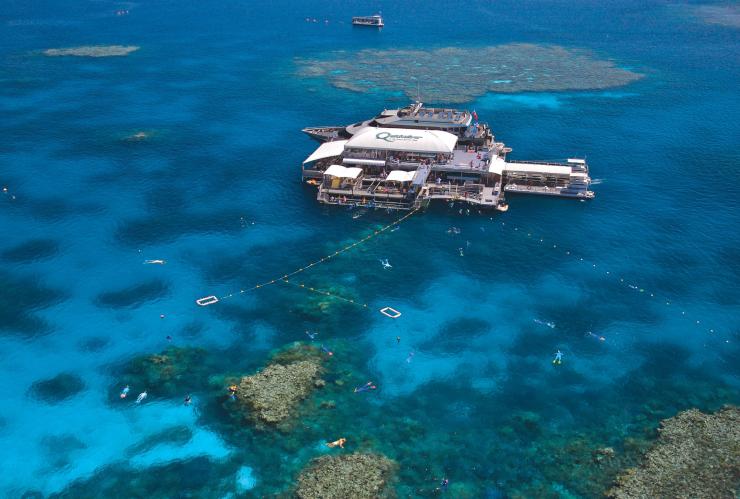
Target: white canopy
<point x="400" y="176"/>
<point x="497" y="165"/>
<point x="327" y="150"/>
<point x="342" y="172"/>
<point x="398" y="139"/>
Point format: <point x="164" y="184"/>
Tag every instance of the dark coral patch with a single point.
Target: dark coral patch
<point x="94" y="344"/>
<point x="167" y="227"/>
<point x="133" y="296"/>
<point x="57" y="389"/>
<point x="60" y="449"/>
<point x="198" y="477"/>
<point x="19" y="297"/>
<point x="30" y="251"/>
<point x="177" y="435"/>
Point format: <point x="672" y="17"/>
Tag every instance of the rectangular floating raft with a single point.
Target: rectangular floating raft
<point x="390" y="312"/>
<point x="207" y="300"/>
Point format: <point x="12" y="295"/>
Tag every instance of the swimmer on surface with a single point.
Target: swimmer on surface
<point x="232" y="392"/>
<point x="335" y="443"/>
<point x="326" y="350"/>
<point x="549" y="324"/>
<point x="141" y="397"/>
<point x="385" y="263"/>
<point x="558" y="358"/>
<point x="188" y="399"/>
<point x="155" y="262"/>
<point x="592" y="335"/>
<point x="124" y="392"/>
<point x="367" y="386"/>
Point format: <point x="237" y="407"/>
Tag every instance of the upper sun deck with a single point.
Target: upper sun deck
<point x="417" y="116"/>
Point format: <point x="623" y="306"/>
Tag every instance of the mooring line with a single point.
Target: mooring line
<point x="210" y="300"/>
<point x="618" y="279"/>
<point x="325" y="293"/>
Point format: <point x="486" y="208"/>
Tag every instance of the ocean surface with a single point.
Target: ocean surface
<point x="638" y="288"/>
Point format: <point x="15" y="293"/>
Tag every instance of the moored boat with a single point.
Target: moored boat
<point x="374" y="21"/>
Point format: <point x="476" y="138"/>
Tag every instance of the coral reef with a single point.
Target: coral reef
<point x="350" y="475"/>
<point x="93" y="51"/>
<point x="30" y="251"/>
<point x="271" y="395"/>
<point x="696" y="456"/>
<point x="455" y="75"/>
<point x="197" y="477"/>
<point x="174" y="372"/>
<point x="21" y="296"/>
<point x="56" y="389"/>
<point x="722" y="15"/>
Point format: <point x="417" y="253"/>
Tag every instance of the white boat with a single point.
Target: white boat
<point x="376" y="21"/>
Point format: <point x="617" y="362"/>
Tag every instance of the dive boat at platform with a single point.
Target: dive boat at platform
<point x="461" y="123"/>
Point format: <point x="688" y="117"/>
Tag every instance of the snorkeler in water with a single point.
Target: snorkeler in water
<point x="549" y="324"/>
<point x="311" y="335"/>
<point x="339" y="443"/>
<point x="326" y="350"/>
<point x="558" y="358"/>
<point x="124" y="392"/>
<point x="155" y="262"/>
<point x="410" y="357"/>
<point x="232" y="392"/>
<point x="141" y="397"/>
<point x="385" y="263"/>
<point x="443" y="485"/>
<point x="592" y="335"/>
<point x="188" y="399"/>
<point x="367" y="386"/>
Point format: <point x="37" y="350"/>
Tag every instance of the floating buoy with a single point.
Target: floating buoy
<point x="390" y="312"/>
<point x="208" y="300"/>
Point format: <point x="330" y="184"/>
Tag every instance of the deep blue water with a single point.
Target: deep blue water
<point x="214" y="190"/>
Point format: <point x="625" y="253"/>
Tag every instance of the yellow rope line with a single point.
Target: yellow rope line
<point x="325" y="293"/>
<point x="284" y="278"/>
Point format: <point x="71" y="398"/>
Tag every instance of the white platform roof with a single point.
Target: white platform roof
<point x="327" y="150"/>
<point x="538" y="168"/>
<point x="398" y="139"/>
<point x="400" y="176"/>
<point x="342" y="171"/>
<point x="497" y="165"/>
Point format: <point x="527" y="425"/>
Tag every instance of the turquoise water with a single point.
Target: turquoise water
<point x="214" y="191"/>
